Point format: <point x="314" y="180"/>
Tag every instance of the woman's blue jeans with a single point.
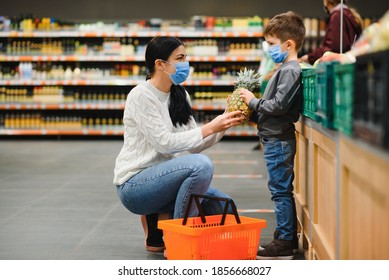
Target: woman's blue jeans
<point x="279" y="157"/>
<point x="166" y="187"/>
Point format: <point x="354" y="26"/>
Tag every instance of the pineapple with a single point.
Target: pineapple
<point x="247" y="79"/>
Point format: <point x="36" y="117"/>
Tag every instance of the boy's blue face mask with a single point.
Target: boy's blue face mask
<point x="181" y="74"/>
<point x="276" y="54"/>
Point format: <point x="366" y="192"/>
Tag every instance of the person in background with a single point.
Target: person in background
<point x="352" y="29"/>
<point x="374" y="38"/>
<point x="152" y="173"/>
<point x="275" y="113"/>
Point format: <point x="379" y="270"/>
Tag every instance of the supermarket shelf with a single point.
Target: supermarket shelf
<point x="213" y="82"/>
<point x="243" y="133"/>
<point x="113" y="58"/>
<point x="90" y="106"/>
<point x="63" y="106"/>
<point x="225" y="58"/>
<point x="69" y="58"/>
<point x="209" y="107"/>
<point x="84" y="131"/>
<point x="109" y="82"/>
<point x="94" y="132"/>
<point x="101" y="82"/>
<point x="15" y="104"/>
<point x="126" y="33"/>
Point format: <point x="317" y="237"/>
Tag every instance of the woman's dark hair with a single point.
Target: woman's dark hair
<point x="161" y="48"/>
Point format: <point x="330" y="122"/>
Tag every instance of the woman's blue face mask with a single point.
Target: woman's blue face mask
<point x="276" y="54"/>
<point x="181" y="74"/>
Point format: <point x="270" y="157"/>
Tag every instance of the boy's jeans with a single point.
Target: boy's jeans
<point x="279" y="158"/>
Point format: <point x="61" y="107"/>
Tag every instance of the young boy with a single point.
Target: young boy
<point x="275" y="113"/>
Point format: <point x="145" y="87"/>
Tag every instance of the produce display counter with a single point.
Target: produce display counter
<point x="341" y="195"/>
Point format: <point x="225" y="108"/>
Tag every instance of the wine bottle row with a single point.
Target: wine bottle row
<point x="123" y="46"/>
<point x="199" y="94"/>
<point x="30" y="23"/>
<point x="71" y="46"/>
<point x="210" y="97"/>
<point x="55" y="121"/>
<point x="49" y="94"/>
<point x="58" y="94"/>
<point x="77" y="120"/>
<point x="55" y="71"/>
<point x="220" y="71"/>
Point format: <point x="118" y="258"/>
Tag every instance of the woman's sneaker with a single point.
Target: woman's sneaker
<point x="278" y="249"/>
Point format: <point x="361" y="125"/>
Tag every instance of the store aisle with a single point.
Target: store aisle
<point x="57" y="200"/>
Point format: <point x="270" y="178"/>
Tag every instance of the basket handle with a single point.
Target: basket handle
<point x="196" y="197"/>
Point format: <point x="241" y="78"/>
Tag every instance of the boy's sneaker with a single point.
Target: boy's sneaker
<point x="278" y="249"/>
<point x="295" y="242"/>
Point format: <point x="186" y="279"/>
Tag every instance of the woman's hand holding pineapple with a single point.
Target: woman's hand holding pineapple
<point x="222" y="123"/>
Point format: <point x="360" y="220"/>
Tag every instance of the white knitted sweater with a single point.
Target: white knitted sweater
<point x="150" y="136"/>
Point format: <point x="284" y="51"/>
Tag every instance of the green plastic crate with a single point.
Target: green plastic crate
<point x="309" y="95"/>
<point x="343" y="97"/>
<point x="325" y="94"/>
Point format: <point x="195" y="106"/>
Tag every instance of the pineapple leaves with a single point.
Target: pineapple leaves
<point x="248" y="78"/>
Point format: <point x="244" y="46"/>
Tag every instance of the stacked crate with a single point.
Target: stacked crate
<point x="309" y="93"/>
<point x="325" y="93"/>
<point x="343" y="90"/>
<point x="351" y="98"/>
<point x="371" y="94"/>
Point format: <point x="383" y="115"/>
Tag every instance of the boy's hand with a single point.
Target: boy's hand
<point x="246" y="95"/>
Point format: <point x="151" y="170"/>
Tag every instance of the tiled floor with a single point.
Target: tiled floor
<point x="57" y="200"/>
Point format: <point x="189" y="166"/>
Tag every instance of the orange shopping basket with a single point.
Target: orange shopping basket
<point x="218" y="237"/>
